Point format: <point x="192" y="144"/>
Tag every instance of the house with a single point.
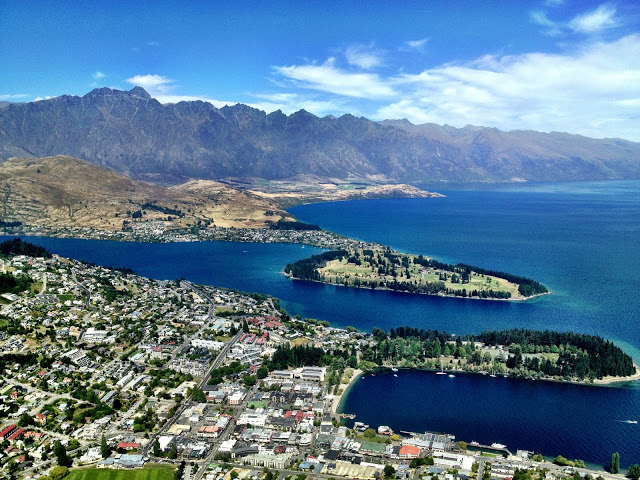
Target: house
<point x="409" y="451"/>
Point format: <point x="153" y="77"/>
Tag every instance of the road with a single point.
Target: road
<point x="86" y="290"/>
<point x="216" y="363"/>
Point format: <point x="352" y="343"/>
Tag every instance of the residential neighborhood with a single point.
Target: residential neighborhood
<point x="104" y="368"/>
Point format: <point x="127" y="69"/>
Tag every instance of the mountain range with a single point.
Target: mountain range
<point x="131" y="133"/>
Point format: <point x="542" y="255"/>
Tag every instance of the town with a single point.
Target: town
<point x="102" y="368"/>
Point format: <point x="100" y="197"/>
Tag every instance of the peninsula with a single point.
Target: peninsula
<point x="383" y="268"/>
<point x="98" y="361"/>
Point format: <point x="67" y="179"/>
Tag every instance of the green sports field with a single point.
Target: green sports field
<point x="151" y="472"/>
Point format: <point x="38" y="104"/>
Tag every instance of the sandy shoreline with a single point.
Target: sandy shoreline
<point x="610" y="380"/>
<point x="513" y="299"/>
<point x="338" y="398"/>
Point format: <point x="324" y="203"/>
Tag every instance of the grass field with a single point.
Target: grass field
<point x="150" y="472"/>
<point x="337" y="271"/>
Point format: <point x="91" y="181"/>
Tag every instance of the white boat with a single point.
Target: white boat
<point x="394" y="369"/>
<point x="631" y="421"/>
<point x="498" y="445"/>
<point x="395" y="375"/>
<point x="473" y="443"/>
<point x="441" y="372"/>
<point x="451" y="375"/>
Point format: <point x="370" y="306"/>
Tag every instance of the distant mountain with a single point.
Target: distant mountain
<point x="62" y="192"/>
<point x="132" y="133"/>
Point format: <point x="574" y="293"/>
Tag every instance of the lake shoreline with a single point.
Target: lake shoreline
<point x="364" y="287"/>
<point x="613" y="382"/>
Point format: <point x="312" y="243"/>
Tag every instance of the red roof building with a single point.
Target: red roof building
<point x="409" y="451"/>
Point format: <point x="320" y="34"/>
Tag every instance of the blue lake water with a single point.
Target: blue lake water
<point x="581" y="240"/>
<point x="552" y="418"/>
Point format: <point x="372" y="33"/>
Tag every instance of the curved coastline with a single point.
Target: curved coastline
<point x="338" y="400"/>
<point x="521" y="299"/>
<point x="336" y="404"/>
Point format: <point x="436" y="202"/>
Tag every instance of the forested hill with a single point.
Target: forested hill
<point x="134" y="134"/>
<point x="16" y="246"/>
<point x="544" y="354"/>
<point x="388" y="269"/>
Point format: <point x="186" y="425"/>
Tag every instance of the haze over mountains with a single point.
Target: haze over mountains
<point x="132" y="133"/>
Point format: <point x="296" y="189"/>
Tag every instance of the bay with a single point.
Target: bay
<point x="575" y="421"/>
<point x="581" y="240"/>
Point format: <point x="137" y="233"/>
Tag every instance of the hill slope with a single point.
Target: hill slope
<point x="134" y="134"/>
<point x="61" y="192"/>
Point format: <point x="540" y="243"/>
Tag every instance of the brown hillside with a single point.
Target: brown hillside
<point x="66" y="192"/>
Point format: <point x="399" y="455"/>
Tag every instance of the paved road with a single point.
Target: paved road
<point x="86" y="290"/>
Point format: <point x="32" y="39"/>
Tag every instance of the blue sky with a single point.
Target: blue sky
<point x="547" y="65"/>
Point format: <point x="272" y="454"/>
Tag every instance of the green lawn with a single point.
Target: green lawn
<point x="150" y="472"/>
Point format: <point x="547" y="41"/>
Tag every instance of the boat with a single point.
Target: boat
<point x="492" y="376"/>
<point x="498" y="446"/>
<point x="473" y="443"/>
<point x="631" y="421"/>
<point x="395" y="375"/>
<point x="451" y="375"/>
<point x="394" y="369"/>
<point x="441" y="372"/>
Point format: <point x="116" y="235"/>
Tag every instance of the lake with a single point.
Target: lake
<point x="581" y="240"/>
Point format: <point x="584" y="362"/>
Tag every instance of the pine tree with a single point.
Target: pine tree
<point x="173" y="453"/>
<point x="615" y="463"/>
<point x="61" y="454"/>
<point x="104" y="448"/>
<point x="156" y="448"/>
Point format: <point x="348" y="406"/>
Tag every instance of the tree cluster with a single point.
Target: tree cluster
<point x="580" y="355"/>
<point x="289" y="225"/>
<point x="16" y="246"/>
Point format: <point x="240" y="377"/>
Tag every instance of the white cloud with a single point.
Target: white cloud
<point x="154" y="84"/>
<point x="98" y="75"/>
<point x="416" y="43"/>
<point x="599" y="19"/>
<point x="191" y="98"/>
<point x="13" y="96"/>
<point x="540" y="17"/>
<point x="292" y="102"/>
<point x="363" y="56"/>
<point x="592" y="91"/>
<point x="328" y="78"/>
<point x="554" y="3"/>
<point x="152" y="43"/>
<point x="589" y="23"/>
<point x="38" y="99"/>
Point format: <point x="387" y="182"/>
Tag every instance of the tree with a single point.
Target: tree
<point x="614" y="466"/>
<point x="389" y="471"/>
<point x="173" y="453"/>
<point x="104" y="448"/>
<point x="262" y="372"/>
<point x="61" y="454"/>
<point x="57" y="473"/>
<point x="245" y="326"/>
<point x="156" y="448"/>
<point x="233" y="474"/>
<point x="25" y="420"/>
<point x="369" y="433"/>
<point x="634" y="472"/>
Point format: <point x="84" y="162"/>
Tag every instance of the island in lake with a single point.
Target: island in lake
<point x="381" y="267"/>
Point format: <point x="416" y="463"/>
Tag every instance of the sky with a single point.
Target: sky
<point x="545" y="65"/>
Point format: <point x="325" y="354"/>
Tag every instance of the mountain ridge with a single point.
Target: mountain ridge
<point x="132" y="133"/>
